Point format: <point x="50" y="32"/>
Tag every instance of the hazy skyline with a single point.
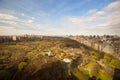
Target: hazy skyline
<point x="59" y="17"/>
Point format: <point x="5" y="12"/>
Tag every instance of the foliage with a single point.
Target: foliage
<point x="31" y="52"/>
<point x="86" y="72"/>
<point x="93" y="68"/>
<point x="79" y="74"/>
<point x="62" y="54"/>
<point x="21" y="65"/>
<point x="96" y="55"/>
<point x="107" y="58"/>
<point x="41" y="54"/>
<point x="115" y="63"/>
<point x="103" y="76"/>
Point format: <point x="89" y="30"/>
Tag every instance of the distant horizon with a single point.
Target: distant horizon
<point x="61" y="35"/>
<point x="56" y="17"/>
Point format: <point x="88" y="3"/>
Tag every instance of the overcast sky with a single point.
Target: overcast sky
<point x="59" y="17"/>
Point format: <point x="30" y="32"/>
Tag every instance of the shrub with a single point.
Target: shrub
<point x="21" y="65"/>
<point x="86" y="72"/>
<point x="115" y="63"/>
<point x="103" y="76"/>
<point x="94" y="68"/>
<point x="96" y="55"/>
<point x="107" y="58"/>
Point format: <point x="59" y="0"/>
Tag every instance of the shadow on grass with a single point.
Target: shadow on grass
<point x="52" y="71"/>
<point x="116" y="74"/>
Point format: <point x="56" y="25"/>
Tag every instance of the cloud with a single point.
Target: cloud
<point x="8" y="22"/>
<point x="113" y="6"/>
<point x="19" y="25"/>
<point x="12" y="31"/>
<point x="106" y="19"/>
<point x="33" y="18"/>
<point x="7" y="17"/>
<point x="92" y="11"/>
<point x="30" y="21"/>
<point x="75" y="20"/>
<point x="94" y="16"/>
<point x="22" y="14"/>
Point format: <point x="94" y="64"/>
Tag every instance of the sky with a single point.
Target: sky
<point x="60" y="17"/>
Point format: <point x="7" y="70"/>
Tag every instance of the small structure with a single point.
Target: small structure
<point x="47" y="53"/>
<point x="62" y="54"/>
<point x="14" y="38"/>
<point x="67" y="60"/>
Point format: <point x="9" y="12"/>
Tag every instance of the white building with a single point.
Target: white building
<point x="14" y="38"/>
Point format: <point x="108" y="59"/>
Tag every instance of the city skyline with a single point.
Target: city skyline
<point x="60" y="17"/>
